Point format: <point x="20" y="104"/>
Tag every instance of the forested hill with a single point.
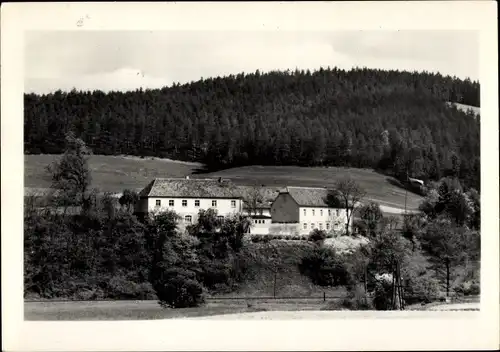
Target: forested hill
<point x="390" y="120"/>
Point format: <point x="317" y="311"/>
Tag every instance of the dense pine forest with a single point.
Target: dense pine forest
<point x="393" y="121"/>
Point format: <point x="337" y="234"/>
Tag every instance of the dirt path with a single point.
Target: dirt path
<point x="456" y="306"/>
<point x="293" y="315"/>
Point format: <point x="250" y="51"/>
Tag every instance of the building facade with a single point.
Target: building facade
<point x="297" y="210"/>
<point x="188" y="196"/>
<point x="308" y="207"/>
<point x="257" y="206"/>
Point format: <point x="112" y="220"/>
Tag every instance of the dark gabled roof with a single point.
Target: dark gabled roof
<point x="308" y="196"/>
<point x="261" y="216"/>
<point x="190" y="188"/>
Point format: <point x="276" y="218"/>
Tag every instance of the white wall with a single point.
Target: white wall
<point x="224" y="206"/>
<point x="260" y="226"/>
<point x="314" y="217"/>
<point x="290" y="229"/>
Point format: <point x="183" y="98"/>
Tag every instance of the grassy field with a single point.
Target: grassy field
<point x="116" y="173"/>
<point x="146" y="310"/>
<point x="110" y="173"/>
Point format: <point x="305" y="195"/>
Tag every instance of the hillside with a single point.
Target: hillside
<point x="116" y="173"/>
<point x="363" y="118"/>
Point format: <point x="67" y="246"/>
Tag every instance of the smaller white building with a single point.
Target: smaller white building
<point x="257" y="206"/>
<point x="308" y="208"/>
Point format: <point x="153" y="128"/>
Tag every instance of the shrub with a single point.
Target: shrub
<point x="216" y="274"/>
<point x="317" y="235"/>
<point x="357" y="299"/>
<point x="119" y="287"/>
<point x="468" y="288"/>
<point x="423" y="289"/>
<point x="178" y="288"/>
<point x="383" y="295"/>
<point x="324" y="267"/>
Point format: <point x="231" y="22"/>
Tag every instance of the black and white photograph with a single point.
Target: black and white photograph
<point x="268" y="174"/>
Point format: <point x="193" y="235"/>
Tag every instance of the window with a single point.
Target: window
<point x="312" y="225"/>
<point x="305" y="226"/>
<point x="321" y="212"/>
<point x="220" y="218"/>
<point x="328" y="226"/>
<point x="321" y="226"/>
<point x="329" y="212"/>
<point x="255" y="221"/>
<point x="214" y="203"/>
<point x="313" y="212"/>
<point x="197" y="203"/>
<point x="171" y="203"/>
<point x="305" y="212"/>
<point x="184" y="203"/>
<point x="338" y="212"/>
<point x="233" y="204"/>
<point x="158" y="202"/>
<point x="188" y="219"/>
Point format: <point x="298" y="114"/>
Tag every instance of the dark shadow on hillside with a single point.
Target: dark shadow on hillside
<point x="400" y="185"/>
<point x="206" y="169"/>
<point x="201" y="170"/>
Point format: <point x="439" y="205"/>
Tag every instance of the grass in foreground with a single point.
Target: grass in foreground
<point x="148" y="310"/>
<point x="115" y="173"/>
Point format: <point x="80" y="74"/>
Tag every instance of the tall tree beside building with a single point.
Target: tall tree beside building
<point x="70" y="174"/>
<point x="347" y="193"/>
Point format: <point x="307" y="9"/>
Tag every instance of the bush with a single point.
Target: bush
<point x="122" y="288"/>
<point x="178" y="288"/>
<point x="423" y="289"/>
<point x="217" y="274"/>
<point x="317" y="235"/>
<point x="382" y="295"/>
<point x="357" y="299"/>
<point x="324" y="267"/>
<point x="468" y="288"/>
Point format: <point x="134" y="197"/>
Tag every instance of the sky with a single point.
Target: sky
<point x="127" y="60"/>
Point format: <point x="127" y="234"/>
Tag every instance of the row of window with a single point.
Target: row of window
<point x="313" y="225"/>
<point x="171" y="203"/>
<point x="337" y="211"/>
<point x="258" y="221"/>
<point x="189" y="218"/>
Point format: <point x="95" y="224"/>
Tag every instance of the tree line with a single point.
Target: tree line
<point x="394" y="121"/>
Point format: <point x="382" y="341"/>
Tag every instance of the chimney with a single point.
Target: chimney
<point x="187" y="177"/>
<point x="283" y="190"/>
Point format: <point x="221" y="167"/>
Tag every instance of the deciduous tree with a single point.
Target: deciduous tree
<point x="348" y="194"/>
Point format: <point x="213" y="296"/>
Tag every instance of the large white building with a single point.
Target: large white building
<point x="188" y="196"/>
<point x="297" y="210"/>
<point x="308" y="209"/>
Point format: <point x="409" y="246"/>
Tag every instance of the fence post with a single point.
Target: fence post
<point x="274" y="288"/>
<point x="324" y="296"/>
